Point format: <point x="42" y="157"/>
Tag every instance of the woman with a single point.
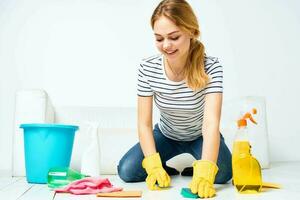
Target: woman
<point x="186" y="86"/>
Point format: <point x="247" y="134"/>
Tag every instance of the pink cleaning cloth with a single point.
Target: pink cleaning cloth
<point x="89" y="185"/>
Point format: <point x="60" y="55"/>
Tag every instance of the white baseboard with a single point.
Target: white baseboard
<point x="5" y="173"/>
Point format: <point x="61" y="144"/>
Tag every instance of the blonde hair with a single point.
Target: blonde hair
<point x="181" y="13"/>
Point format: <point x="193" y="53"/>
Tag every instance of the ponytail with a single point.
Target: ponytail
<point x="195" y="73"/>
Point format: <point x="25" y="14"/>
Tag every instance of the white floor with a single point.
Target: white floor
<point x="287" y="174"/>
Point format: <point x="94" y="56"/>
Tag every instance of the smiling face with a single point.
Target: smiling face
<point x="171" y="41"/>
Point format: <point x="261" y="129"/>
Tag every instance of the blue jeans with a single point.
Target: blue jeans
<point x="130" y="166"/>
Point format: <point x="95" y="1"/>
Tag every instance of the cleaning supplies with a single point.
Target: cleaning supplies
<point x="62" y="176"/>
<point x="90" y="161"/>
<point x="89" y="185"/>
<point x="46" y="146"/>
<point x="245" y="168"/>
<point x="121" y="194"/>
<point x="247" y="177"/>
<point x="187" y="193"/>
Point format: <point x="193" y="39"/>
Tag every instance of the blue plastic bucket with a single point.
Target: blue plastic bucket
<point x="46" y="146"/>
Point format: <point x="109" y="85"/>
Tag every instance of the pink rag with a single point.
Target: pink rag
<point x="89" y="185"/>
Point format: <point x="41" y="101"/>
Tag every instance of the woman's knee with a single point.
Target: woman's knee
<point x="129" y="172"/>
<point x="123" y="172"/>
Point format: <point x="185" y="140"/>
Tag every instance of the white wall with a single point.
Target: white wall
<point x="86" y="53"/>
<point x="8" y="84"/>
<point x="265" y="39"/>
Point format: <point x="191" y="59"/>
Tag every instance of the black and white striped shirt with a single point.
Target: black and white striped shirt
<point x="181" y="108"/>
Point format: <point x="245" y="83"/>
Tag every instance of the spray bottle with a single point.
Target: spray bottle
<point x="90" y="162"/>
<point x="246" y="169"/>
<point x="247" y="177"/>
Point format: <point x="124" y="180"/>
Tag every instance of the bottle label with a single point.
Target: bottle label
<point x="58" y="173"/>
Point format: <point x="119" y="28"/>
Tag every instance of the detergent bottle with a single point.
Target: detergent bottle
<point x="246" y="169"/>
<point x="62" y="176"/>
<point x="90" y="162"/>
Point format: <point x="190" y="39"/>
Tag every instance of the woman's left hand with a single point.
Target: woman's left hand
<point x="204" y="173"/>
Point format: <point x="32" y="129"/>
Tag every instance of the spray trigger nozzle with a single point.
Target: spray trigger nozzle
<point x="243" y="121"/>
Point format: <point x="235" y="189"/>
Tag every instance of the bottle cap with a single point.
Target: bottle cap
<point x="242" y="123"/>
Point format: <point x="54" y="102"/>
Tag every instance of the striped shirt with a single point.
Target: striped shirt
<point x="181" y="108"/>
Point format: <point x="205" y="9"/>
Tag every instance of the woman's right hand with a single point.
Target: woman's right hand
<point x="156" y="173"/>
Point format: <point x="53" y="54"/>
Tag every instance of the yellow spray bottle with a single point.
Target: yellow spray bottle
<point x="246" y="170"/>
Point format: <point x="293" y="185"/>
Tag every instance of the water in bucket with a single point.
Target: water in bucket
<point x="46" y="146"/>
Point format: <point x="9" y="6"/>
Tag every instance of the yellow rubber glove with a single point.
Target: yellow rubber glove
<point x="156" y="173"/>
<point x="204" y="173"/>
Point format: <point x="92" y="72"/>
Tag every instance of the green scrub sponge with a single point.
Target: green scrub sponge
<point x="186" y="192"/>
